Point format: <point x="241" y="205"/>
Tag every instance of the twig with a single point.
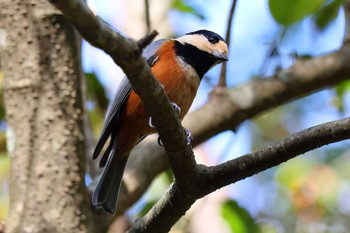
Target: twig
<point x="148" y="18"/>
<point x="144" y="41"/>
<point x="223" y="75"/>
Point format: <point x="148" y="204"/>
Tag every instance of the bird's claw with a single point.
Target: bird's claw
<point x="175" y="107"/>
<point x="150" y="123"/>
<point x="188" y="138"/>
<point x="160" y="142"/>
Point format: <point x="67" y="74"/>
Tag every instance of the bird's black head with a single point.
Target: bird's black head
<point x="212" y="37"/>
<point x="202" y="50"/>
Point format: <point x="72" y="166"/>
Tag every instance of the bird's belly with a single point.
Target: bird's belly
<point x="181" y="91"/>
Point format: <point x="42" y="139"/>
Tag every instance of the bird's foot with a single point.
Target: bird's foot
<point x="160" y="142"/>
<point x="175" y="107"/>
<point x="150" y="123"/>
<point x="188" y="138"/>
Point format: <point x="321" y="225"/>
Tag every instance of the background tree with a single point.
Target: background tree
<point x="45" y="113"/>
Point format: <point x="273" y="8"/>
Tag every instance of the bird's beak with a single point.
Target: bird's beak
<point x="220" y="56"/>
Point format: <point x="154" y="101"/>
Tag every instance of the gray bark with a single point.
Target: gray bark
<point x="41" y="63"/>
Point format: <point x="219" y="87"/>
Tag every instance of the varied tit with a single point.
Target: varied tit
<point x="179" y="64"/>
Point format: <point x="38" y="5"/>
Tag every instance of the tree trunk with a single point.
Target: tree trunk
<point x="43" y="98"/>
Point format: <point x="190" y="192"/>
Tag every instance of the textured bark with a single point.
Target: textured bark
<point x="41" y="63"/>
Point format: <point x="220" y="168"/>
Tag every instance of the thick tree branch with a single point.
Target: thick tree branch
<point x="176" y="202"/>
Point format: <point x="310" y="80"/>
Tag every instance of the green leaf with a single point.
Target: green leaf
<point x="147" y="207"/>
<point x="327" y="14"/>
<point x="96" y="92"/>
<point x="341" y="89"/>
<point x="238" y="218"/>
<point x="181" y="6"/>
<point x="288" y="12"/>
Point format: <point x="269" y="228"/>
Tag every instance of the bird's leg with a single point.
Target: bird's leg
<point x="175" y="107"/>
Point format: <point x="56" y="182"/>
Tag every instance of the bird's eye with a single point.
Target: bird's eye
<point x="213" y="40"/>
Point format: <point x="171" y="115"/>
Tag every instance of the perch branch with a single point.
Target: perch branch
<point x="176" y="202"/>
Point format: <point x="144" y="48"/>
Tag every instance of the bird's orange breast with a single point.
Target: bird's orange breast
<point x="180" y="82"/>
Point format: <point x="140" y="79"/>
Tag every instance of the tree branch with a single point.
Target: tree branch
<point x="223" y="75"/>
<point x="176" y="202"/>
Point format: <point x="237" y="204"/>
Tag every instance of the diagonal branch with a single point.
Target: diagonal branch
<point x="176" y="202"/>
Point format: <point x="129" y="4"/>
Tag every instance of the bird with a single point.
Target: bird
<point x="179" y="64"/>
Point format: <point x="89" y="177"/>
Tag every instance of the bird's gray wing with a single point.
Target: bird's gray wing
<point x="119" y="98"/>
<point x="112" y="114"/>
<point x="150" y="52"/>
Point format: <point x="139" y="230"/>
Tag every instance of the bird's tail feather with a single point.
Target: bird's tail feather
<point x="107" y="190"/>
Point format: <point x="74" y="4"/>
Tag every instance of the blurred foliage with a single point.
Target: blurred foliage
<point x="4" y="171"/>
<point x="97" y="102"/>
<point x="96" y="92"/>
<point x="341" y="89"/>
<point x="238" y="218"/>
<point x="288" y="12"/>
<point x="184" y="7"/>
<point x="4" y="160"/>
<point x="147" y="207"/>
<point x="327" y="13"/>
<point x="2" y="108"/>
